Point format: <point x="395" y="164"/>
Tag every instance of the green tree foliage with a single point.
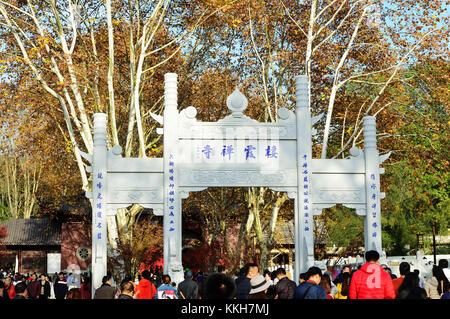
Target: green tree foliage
<point x="340" y="226"/>
<point x="418" y="183"/>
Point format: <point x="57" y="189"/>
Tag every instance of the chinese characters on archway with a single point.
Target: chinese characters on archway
<point x="171" y="193"/>
<point x="99" y="215"/>
<point x="306" y="193"/>
<point x="373" y="203"/>
<point x="249" y="151"/>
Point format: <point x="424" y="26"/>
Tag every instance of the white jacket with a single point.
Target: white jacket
<point x="431" y="285"/>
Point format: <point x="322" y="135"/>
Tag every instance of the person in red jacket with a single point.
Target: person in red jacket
<point x="371" y="281"/>
<point x="9" y="287"/>
<point x="145" y="289"/>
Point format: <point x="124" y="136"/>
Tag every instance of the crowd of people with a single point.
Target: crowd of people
<point x="45" y="286"/>
<point x="370" y="281"/>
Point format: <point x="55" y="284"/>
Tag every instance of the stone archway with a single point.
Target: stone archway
<point x="283" y="163"/>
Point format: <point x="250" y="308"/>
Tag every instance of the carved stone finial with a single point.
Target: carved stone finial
<point x="355" y="152"/>
<point x="370" y="132"/>
<point x="301" y="91"/>
<point x="190" y="112"/>
<point x="237" y="103"/>
<point x="100" y="129"/>
<point x="116" y="150"/>
<point x="284" y="113"/>
<point x="170" y="90"/>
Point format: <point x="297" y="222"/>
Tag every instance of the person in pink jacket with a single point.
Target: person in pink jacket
<point x="371" y="281"/>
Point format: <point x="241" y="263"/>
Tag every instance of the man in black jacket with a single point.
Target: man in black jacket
<point x="60" y="287"/>
<point x="188" y="288"/>
<point x="21" y="290"/>
<point x="126" y="290"/>
<point x="243" y="285"/>
<point x="310" y="289"/>
<point x="285" y="287"/>
<point x="105" y="291"/>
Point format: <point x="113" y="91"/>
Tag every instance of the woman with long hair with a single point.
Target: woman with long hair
<point x="325" y="283"/>
<point x="85" y="287"/>
<point x="74" y="293"/>
<point x="410" y="288"/>
<point x="343" y="286"/>
<point x="431" y="285"/>
<point x="441" y="278"/>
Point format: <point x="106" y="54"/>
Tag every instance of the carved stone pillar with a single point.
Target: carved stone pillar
<point x="172" y="201"/>
<point x="99" y="201"/>
<point x="304" y="222"/>
<point x="372" y="231"/>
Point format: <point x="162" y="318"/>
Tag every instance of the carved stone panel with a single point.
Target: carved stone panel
<point x="137" y="188"/>
<point x="139" y="165"/>
<point x="338" y="166"/>
<point x="339" y="195"/>
<point x="236" y="178"/>
<point x="202" y="130"/>
<point x="136" y="195"/>
<point x="135" y="180"/>
<point x="338" y="188"/>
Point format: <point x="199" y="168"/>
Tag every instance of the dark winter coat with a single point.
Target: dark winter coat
<point x="60" y="288"/>
<point x="5" y="295"/>
<point x="85" y="289"/>
<point x="416" y="293"/>
<point x="188" y="288"/>
<point x="309" y="290"/>
<point x="285" y="288"/>
<point x="32" y="289"/>
<point x="47" y="288"/>
<point x="105" y="292"/>
<point x="123" y="296"/>
<point x="243" y="287"/>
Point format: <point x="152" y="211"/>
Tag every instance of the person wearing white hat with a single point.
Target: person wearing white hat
<point x="259" y="287"/>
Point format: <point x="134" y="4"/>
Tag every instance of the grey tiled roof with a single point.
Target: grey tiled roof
<point x="32" y="232"/>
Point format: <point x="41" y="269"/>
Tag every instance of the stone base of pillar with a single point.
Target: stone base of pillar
<point x="176" y="272"/>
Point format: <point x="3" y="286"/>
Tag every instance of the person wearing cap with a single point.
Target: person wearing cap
<point x="259" y="288"/>
<point x="188" y="288"/>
